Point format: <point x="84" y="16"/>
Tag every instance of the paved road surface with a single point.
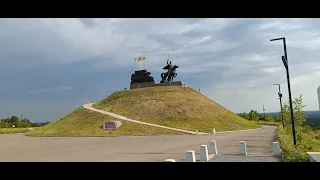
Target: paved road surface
<point x="17" y="147"/>
<point x="238" y="158"/>
<point x="89" y="107"/>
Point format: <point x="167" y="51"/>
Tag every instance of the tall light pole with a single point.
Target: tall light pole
<point x="286" y="65"/>
<point x="280" y="97"/>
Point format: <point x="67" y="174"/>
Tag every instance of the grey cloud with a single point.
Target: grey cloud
<point x="231" y="60"/>
<point x="88" y="22"/>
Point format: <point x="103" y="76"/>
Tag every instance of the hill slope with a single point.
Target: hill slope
<point x="82" y="122"/>
<point x="174" y="106"/>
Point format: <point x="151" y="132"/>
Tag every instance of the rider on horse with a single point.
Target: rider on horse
<point x="170" y="72"/>
<point x="170" y="67"/>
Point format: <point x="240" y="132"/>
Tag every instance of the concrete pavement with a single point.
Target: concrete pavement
<point x="17" y="147"/>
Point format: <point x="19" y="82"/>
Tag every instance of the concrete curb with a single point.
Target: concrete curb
<point x="239" y="130"/>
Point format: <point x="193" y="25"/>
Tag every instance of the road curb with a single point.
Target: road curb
<point x="239" y="130"/>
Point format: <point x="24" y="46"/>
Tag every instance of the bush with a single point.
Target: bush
<point x="298" y="153"/>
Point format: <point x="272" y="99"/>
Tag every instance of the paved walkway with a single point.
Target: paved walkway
<point x="238" y="158"/>
<point x="89" y="107"/>
<point x="17" y="147"/>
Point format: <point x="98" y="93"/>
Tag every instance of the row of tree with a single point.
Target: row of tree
<point x="253" y="115"/>
<point x="15" y="122"/>
<point x="284" y="117"/>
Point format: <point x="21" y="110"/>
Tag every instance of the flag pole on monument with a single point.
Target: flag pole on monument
<point x="141" y="62"/>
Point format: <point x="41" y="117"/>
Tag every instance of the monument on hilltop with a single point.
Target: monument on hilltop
<point x="171" y="72"/>
<point x="141" y="75"/>
<point x="142" y="78"/>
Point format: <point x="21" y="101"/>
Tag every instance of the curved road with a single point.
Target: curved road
<point x="89" y="107"/>
<point x="17" y="147"/>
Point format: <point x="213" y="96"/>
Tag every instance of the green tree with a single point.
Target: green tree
<point x="4" y="124"/>
<point x="14" y="120"/>
<point x="244" y="115"/>
<point x="298" y="114"/>
<point x="254" y="115"/>
<point x="285" y="114"/>
<point x="277" y="118"/>
<point x="268" y="118"/>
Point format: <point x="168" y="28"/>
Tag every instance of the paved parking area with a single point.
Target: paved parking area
<point x="17" y="147"/>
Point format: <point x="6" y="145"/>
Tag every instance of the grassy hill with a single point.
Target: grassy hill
<point x="83" y="122"/>
<point x="173" y="106"/>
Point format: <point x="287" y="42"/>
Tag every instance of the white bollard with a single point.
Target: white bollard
<point x="170" y="160"/>
<point x="204" y="153"/>
<point x="243" y="148"/>
<point x="190" y="156"/>
<point x="213" y="147"/>
<point x="196" y="131"/>
<point x="213" y="131"/>
<point x="276" y="151"/>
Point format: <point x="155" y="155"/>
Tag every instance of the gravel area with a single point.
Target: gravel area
<point x="238" y="158"/>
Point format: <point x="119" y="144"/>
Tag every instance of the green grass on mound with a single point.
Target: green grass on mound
<point x="13" y="130"/>
<point x="174" y="106"/>
<point x="82" y="122"/>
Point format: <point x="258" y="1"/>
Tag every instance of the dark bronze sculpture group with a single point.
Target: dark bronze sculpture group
<point x="142" y="76"/>
<point x="170" y="74"/>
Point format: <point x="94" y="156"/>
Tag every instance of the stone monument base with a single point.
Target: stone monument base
<point x="153" y="84"/>
<point x="175" y="83"/>
<point x="142" y="85"/>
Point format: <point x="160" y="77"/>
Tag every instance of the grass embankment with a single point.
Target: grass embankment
<point x="13" y="130"/>
<point x="83" y="122"/>
<point x="310" y="142"/>
<point x="174" y="106"/>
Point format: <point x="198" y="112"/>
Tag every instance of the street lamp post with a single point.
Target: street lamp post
<point x="286" y="65"/>
<point x="280" y="96"/>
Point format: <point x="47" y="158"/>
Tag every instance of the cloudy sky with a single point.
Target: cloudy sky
<point x="51" y="66"/>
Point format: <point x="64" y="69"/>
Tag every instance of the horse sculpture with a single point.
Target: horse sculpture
<point x="170" y="74"/>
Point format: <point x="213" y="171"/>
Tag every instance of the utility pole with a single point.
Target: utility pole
<point x="280" y="96"/>
<point x="264" y="114"/>
<point x="286" y="65"/>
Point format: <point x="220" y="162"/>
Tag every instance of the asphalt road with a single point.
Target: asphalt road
<point x="17" y="147"/>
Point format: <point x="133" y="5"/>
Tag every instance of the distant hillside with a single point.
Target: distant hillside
<point x="313" y="118"/>
<point x="173" y="106"/>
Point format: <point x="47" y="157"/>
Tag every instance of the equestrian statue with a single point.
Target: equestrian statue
<point x="170" y="74"/>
